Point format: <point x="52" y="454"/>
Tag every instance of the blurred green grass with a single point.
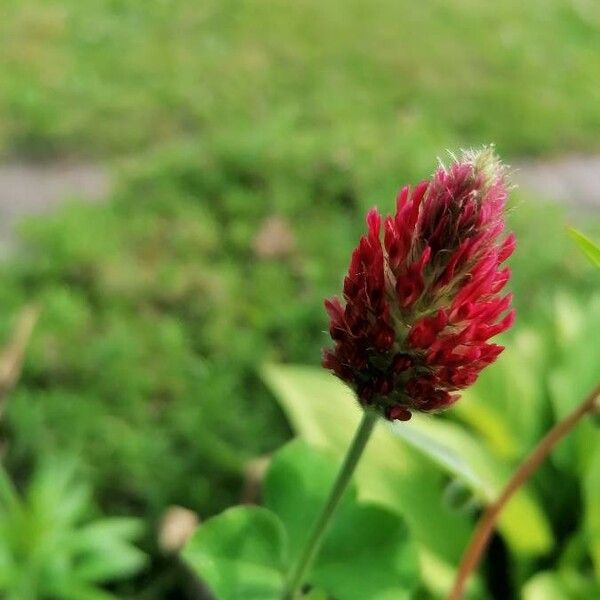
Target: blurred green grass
<point x="383" y="79"/>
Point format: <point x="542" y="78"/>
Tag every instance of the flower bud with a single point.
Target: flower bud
<point x="420" y="305"/>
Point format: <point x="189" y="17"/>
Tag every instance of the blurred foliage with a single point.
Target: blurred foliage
<point x="587" y="246"/>
<point x="52" y="548"/>
<point x="113" y="75"/>
<point x="256" y="135"/>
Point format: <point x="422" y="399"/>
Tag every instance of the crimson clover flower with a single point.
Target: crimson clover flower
<point x="420" y="307"/>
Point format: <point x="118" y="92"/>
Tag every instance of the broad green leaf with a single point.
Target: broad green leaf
<point x="522" y="522"/>
<point x="489" y="422"/>
<point x="105" y="549"/>
<point x="560" y="585"/>
<point x="124" y="528"/>
<point x="440" y="576"/>
<point x="317" y="595"/>
<point x="296" y="488"/>
<point x="366" y="551"/>
<point x="373" y="542"/>
<point x="591" y="501"/>
<point x="442" y="443"/>
<point x="241" y="554"/>
<point x="391" y="473"/>
<point x="544" y="586"/>
<point x="586" y="245"/>
<point x="575" y="374"/>
<point x="111" y="560"/>
<point x="507" y="406"/>
<point x="75" y="590"/>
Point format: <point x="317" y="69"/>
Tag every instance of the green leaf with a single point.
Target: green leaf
<point x="523" y="522"/>
<point x="488" y="420"/>
<point x="296" y="487"/>
<point x="561" y="585"/>
<point x="366" y="551"/>
<point x="368" y="555"/>
<point x="105" y="549"/>
<point x="391" y="473"/>
<point x="587" y="246"/>
<point x="118" y="560"/>
<point x="575" y="375"/>
<point x="241" y="554"/>
<point x="75" y="590"/>
<point x="317" y="595"/>
<point x="506" y="406"/>
<point x="544" y="586"/>
<point x="446" y="445"/>
<point x="109" y="528"/>
<point x="571" y="381"/>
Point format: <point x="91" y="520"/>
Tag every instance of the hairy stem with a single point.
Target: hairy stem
<point x="301" y="568"/>
<point x="487" y="522"/>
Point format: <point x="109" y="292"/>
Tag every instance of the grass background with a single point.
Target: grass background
<point x="379" y="80"/>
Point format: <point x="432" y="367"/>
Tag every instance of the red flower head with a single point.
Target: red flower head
<point x="421" y="306"/>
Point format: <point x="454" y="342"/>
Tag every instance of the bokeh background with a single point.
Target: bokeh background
<point x="202" y="170"/>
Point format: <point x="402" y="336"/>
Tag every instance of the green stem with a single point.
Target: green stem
<point x="300" y="569"/>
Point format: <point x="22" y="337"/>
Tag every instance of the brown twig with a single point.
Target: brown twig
<point x="254" y="475"/>
<point x="11" y="358"/>
<point x="487" y="522"/>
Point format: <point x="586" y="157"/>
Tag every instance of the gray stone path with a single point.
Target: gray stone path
<point x="572" y="180"/>
<point x="27" y="189"/>
<point x="33" y="188"/>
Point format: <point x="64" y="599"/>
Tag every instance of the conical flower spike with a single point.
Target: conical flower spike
<point x="423" y="293"/>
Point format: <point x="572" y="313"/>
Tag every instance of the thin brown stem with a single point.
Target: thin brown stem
<point x="12" y="356"/>
<point x="487" y="522"/>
